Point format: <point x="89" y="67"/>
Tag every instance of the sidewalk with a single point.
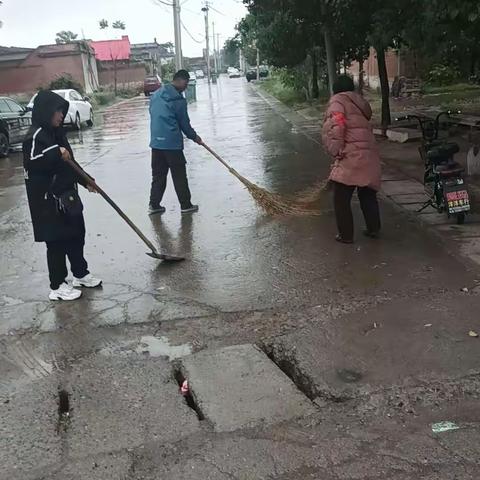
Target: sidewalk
<point x="402" y="181"/>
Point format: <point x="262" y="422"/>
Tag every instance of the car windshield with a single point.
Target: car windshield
<point x="151" y="79"/>
<point x="62" y="94"/>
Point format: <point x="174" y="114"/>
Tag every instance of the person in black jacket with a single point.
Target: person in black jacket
<point x="50" y="183"/>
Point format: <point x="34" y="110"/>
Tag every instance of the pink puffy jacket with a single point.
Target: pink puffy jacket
<point x="348" y="138"/>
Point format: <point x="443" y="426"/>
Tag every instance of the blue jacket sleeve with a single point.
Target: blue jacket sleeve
<point x="184" y="120"/>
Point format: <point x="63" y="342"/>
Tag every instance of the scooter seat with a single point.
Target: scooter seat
<point x="451" y="172"/>
<point x="443" y="152"/>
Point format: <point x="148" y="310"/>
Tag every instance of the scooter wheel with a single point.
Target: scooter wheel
<point x="460" y="218"/>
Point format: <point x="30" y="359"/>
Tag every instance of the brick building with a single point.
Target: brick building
<point x="402" y="64"/>
<point x="24" y="70"/>
<point x="115" y="64"/>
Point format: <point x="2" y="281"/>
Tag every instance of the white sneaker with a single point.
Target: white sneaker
<point x="64" y="292"/>
<point x="88" y="281"/>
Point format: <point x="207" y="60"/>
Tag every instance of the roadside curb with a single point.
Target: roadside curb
<point x="404" y="192"/>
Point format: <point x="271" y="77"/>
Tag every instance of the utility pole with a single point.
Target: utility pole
<point x="178" y="35"/>
<point x="207" y="39"/>
<point x="258" y="63"/>
<point x="215" y="53"/>
<point x="220" y="60"/>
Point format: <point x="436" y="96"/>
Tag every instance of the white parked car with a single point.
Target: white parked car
<point x="80" y="110"/>
<point x="199" y="74"/>
<point x="193" y="76"/>
<point x="234" y="72"/>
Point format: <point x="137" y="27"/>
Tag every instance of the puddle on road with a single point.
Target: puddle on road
<point x="148" y="345"/>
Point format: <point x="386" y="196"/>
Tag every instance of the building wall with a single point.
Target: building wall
<point x="126" y="74"/>
<point x="38" y="71"/>
<point x="397" y="65"/>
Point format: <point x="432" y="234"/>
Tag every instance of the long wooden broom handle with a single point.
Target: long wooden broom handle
<point x="93" y="184"/>
<point x="217" y="156"/>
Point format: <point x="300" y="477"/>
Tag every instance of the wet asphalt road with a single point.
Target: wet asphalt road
<point x="324" y="308"/>
<point x="237" y="258"/>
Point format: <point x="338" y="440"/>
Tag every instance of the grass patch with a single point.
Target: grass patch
<point x="287" y="95"/>
<point x="451" y="89"/>
<point x="106" y="96"/>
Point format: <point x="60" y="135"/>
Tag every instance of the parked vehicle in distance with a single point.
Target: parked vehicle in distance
<point x="199" y="74"/>
<point x="193" y="76"/>
<point x="15" y="121"/>
<point x="252" y="73"/>
<point x="80" y="110"/>
<point x="234" y="73"/>
<point x="151" y="84"/>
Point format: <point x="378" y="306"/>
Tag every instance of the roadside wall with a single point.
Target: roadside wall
<point x="38" y="70"/>
<point x="126" y="74"/>
<point x="398" y="64"/>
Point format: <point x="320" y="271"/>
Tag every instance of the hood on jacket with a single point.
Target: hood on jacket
<point x="169" y="93"/>
<point x="357" y="100"/>
<point x="45" y="105"/>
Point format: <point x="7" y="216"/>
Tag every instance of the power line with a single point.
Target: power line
<point x="189" y="34"/>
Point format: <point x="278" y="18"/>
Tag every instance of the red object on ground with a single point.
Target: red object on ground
<point x="109" y="50"/>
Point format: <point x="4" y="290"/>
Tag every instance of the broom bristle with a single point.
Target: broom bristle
<point x="274" y="204"/>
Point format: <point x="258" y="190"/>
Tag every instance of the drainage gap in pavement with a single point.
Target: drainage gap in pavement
<point x="63" y="410"/>
<point x="289" y="366"/>
<point x="187" y="395"/>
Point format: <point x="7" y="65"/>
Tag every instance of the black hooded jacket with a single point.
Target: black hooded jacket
<point x="46" y="173"/>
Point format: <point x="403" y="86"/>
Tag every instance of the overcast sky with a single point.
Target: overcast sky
<point x="28" y="23"/>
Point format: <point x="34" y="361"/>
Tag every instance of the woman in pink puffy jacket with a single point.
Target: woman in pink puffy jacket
<point x="348" y="138"/>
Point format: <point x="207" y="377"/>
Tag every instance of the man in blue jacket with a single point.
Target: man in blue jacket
<point x="168" y="120"/>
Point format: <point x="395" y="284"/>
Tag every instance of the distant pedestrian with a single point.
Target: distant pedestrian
<point x="168" y="120"/>
<point x="55" y="206"/>
<point x="348" y="137"/>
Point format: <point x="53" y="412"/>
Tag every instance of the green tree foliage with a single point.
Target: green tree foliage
<point x="231" y="51"/>
<point x="65" y="36"/>
<point x="103" y="24"/>
<point x="119" y="25"/>
<point x="63" y="82"/>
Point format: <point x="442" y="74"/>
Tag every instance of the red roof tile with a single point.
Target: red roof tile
<point x="108" y="50"/>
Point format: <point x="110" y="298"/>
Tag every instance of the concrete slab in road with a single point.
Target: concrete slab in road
<point x="120" y="403"/>
<point x="238" y="387"/>
<point x="391" y="349"/>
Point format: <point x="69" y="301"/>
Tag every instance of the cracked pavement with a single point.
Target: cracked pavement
<point x="375" y="335"/>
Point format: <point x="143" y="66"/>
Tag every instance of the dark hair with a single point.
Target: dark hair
<point x="182" y="75"/>
<point x="343" y="83"/>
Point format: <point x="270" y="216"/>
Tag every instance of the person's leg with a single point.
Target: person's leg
<point x="159" y="177"/>
<point x="57" y="264"/>
<point x="177" y="164"/>
<point x="342" y="197"/>
<point x="78" y="264"/>
<point x="371" y="212"/>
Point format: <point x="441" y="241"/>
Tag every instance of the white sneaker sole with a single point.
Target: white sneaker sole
<point x="79" y="284"/>
<point x="56" y="298"/>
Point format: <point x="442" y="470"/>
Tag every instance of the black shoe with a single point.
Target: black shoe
<point x="339" y="238"/>
<point x="192" y="209"/>
<point x="369" y="234"/>
<point x="155" y="210"/>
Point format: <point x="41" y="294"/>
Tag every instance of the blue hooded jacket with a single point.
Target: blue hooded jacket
<point x="168" y="119"/>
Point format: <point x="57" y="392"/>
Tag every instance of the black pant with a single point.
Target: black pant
<point x="57" y="263"/>
<point x="173" y="160"/>
<point x="343" y="211"/>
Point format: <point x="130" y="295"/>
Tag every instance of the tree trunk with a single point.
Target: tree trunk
<point x="331" y="64"/>
<point x="383" y="74"/>
<point x="315" y="91"/>
<point x="361" y="79"/>
<point x="115" y="77"/>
